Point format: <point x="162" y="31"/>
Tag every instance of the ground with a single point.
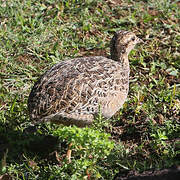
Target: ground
<point x="142" y="137"/>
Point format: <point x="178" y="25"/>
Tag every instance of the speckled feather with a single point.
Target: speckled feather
<point x="73" y="91"/>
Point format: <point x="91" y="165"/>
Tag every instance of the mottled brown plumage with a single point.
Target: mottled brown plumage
<point x="73" y="91"/>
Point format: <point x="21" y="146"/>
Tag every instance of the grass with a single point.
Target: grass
<point x="34" y="35"/>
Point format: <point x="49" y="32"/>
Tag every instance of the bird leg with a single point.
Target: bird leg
<point x="68" y="155"/>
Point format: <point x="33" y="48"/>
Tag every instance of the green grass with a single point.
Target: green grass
<point x="34" y="35"/>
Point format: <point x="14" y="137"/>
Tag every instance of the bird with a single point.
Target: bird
<point x="74" y="91"/>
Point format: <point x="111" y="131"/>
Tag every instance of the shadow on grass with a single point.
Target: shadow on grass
<point x="18" y="143"/>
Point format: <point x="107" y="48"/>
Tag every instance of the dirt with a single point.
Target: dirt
<point x="164" y="174"/>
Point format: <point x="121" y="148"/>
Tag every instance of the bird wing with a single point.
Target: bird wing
<point x="76" y="87"/>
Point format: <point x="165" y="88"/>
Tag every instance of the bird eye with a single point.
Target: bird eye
<point x="133" y="38"/>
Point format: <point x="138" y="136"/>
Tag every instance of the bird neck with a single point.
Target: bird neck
<point x="122" y="58"/>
